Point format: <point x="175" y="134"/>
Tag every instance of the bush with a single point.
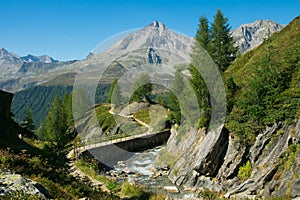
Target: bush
<point x="245" y="171"/>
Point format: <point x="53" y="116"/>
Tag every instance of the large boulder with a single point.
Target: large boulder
<point x="10" y="183"/>
<point x="199" y="153"/>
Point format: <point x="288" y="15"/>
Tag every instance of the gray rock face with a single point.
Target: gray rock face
<point x="199" y="154"/>
<point x="249" y="36"/>
<point x="10" y="183"/>
<point x="212" y="160"/>
<point x="267" y="177"/>
<point x="233" y="159"/>
<point x="261" y="141"/>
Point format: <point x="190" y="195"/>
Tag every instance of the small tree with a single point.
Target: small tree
<point x="114" y="96"/>
<point x="111" y="90"/>
<point x="142" y="88"/>
<point x="173" y="103"/>
<point x="28" y="122"/>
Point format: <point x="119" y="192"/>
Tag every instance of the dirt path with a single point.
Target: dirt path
<point x="77" y="172"/>
<point x="150" y="128"/>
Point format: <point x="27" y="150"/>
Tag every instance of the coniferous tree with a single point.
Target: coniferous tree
<point x="28" y="120"/>
<point x="203" y="36"/>
<point x="221" y="47"/>
<point x="56" y="125"/>
<point x="114" y="96"/>
<point x="111" y="90"/>
<point x="67" y="106"/>
<point x="142" y="88"/>
<point x="202" y="93"/>
<point x="173" y="103"/>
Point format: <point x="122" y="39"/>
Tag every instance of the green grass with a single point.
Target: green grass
<point x="143" y="115"/>
<point x="90" y="170"/>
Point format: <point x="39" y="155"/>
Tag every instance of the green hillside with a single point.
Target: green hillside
<point x="263" y="85"/>
<point x="38" y="99"/>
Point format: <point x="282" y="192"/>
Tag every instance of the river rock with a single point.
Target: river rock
<point x="171" y="189"/>
<point x="126" y="170"/>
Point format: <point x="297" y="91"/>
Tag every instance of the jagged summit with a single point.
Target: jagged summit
<point x="157" y="24"/>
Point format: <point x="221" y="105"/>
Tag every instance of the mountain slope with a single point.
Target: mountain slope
<point x="249" y="36"/>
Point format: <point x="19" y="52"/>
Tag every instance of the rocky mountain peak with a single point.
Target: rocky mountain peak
<point x="249" y="36"/>
<point x="2" y="50"/>
<point x="157" y="36"/>
<point x="157" y="24"/>
<point x="6" y="56"/>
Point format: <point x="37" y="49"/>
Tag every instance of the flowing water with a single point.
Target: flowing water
<point x="139" y="169"/>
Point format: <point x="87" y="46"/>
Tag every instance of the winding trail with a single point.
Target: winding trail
<point x="75" y="171"/>
<point x="150" y="128"/>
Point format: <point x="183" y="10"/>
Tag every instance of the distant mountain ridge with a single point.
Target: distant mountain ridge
<point x="7" y="56"/>
<point x="14" y="69"/>
<point x="42" y="59"/>
<point x="155" y="44"/>
<point x="249" y="36"/>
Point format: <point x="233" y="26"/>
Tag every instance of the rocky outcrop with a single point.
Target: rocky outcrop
<point x="5" y="102"/>
<point x="212" y="160"/>
<point x="199" y="154"/>
<point x="11" y="183"/>
<point x="264" y="160"/>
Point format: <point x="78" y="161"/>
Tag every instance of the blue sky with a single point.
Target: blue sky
<point x="71" y="29"/>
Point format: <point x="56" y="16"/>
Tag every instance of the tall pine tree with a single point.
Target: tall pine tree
<point x="28" y="120"/>
<point x="56" y="125"/>
<point x="203" y="33"/>
<point x="221" y="47"/>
